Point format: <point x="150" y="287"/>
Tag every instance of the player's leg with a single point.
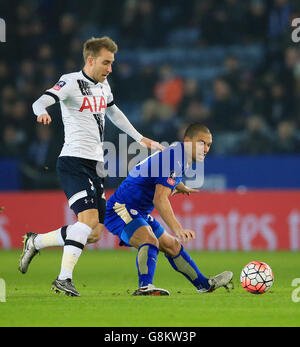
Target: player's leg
<point x="145" y="241"/>
<point x="179" y="259"/>
<point x="76" y="239"/>
<point x="89" y="219"/>
<point x="56" y="238"/>
<point x="133" y="231"/>
<point x="77" y="179"/>
<point x="182" y="262"/>
<point x="147" y="245"/>
<point x="96" y="233"/>
<point x="33" y="243"/>
<point x="92" y="218"/>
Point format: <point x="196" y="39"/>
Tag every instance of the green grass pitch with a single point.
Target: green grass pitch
<point x="106" y="280"/>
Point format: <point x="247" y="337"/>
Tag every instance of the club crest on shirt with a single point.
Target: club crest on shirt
<point x="59" y="85"/>
<point x="133" y="212"/>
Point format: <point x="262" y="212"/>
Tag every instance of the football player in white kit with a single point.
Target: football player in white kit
<point x="85" y="98"/>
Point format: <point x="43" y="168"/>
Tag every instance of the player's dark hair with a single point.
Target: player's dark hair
<point x="92" y="46"/>
<point x="195" y="128"/>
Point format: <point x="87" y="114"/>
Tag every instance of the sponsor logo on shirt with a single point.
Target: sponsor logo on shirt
<point x="94" y="104"/>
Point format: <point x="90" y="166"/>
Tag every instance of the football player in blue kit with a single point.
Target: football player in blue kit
<point x="149" y="185"/>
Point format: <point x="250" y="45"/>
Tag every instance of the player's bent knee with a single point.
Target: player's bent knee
<point x="143" y="235"/>
<point x="89" y="217"/>
<point x="172" y="248"/>
<point x="150" y="238"/>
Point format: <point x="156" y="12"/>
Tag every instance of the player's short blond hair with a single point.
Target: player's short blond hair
<point x="92" y="46"/>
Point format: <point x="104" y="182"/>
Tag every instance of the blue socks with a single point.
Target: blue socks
<point x="146" y="263"/>
<point x="184" y="264"/>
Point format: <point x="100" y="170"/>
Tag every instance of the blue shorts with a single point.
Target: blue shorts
<point x="83" y="187"/>
<point x="123" y="220"/>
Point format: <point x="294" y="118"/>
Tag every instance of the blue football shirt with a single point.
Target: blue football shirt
<point x="165" y="168"/>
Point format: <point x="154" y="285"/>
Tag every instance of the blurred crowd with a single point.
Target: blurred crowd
<point x="250" y="111"/>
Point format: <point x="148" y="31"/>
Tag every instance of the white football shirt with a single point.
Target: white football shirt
<point x="83" y="104"/>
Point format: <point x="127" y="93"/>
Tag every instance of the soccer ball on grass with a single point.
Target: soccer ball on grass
<point x="257" y="277"/>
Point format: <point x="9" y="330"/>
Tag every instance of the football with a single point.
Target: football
<point x="257" y="277"/>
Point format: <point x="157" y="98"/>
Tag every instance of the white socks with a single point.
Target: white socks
<point x="51" y="239"/>
<point x="73" y="238"/>
<point x="76" y="240"/>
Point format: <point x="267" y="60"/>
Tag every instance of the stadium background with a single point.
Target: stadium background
<point x="230" y="64"/>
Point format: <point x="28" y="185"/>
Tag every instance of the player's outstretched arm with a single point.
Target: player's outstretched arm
<point x="121" y="121"/>
<point x="164" y="208"/>
<point x="39" y="108"/>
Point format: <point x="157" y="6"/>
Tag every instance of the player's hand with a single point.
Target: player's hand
<point x="185" y="235"/>
<point x="44" y="118"/>
<point x="182" y="189"/>
<point x="148" y="143"/>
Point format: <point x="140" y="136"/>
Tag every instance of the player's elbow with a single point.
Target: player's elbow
<point x="35" y="107"/>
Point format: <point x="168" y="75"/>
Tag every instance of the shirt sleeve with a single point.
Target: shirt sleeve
<point x="62" y="89"/>
<point x="121" y="121"/>
<point x="170" y="174"/>
<point x="40" y="105"/>
<point x="169" y="182"/>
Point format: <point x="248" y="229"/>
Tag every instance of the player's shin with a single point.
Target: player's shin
<point x="54" y="238"/>
<point x="74" y="244"/>
<point x="146" y="263"/>
<point x="184" y="264"/>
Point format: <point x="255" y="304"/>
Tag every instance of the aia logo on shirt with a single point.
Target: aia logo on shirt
<point x="95" y="104"/>
<point x="59" y="85"/>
